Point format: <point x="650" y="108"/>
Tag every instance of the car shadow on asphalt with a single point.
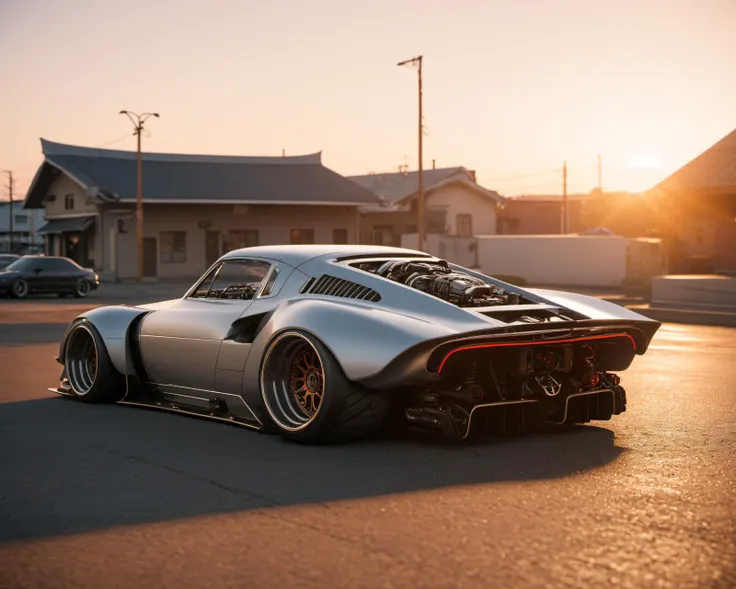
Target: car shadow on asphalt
<point x="70" y="467"/>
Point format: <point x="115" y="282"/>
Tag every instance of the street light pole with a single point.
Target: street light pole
<point x="138" y="120"/>
<point x="420" y="188"/>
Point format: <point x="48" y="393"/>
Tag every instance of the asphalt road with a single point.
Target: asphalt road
<point x="105" y="496"/>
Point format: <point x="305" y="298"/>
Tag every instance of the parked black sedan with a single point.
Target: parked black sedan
<point x="47" y="275"/>
<point x="7" y="259"/>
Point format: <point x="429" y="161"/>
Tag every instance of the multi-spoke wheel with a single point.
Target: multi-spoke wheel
<point x="88" y="368"/>
<point x="307" y="380"/>
<point x="308" y="397"/>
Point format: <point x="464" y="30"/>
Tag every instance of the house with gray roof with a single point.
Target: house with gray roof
<point x="455" y="204"/>
<point x="700" y="203"/>
<point x="196" y="207"/>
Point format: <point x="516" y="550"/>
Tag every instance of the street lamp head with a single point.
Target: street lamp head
<point x="155" y="115"/>
<point x="123" y="112"/>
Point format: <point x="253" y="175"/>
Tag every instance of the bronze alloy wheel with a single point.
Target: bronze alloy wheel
<point x="292" y="381"/>
<point x="307" y="380"/>
<point x="81" y="360"/>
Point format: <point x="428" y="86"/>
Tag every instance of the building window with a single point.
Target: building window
<point x="238" y="238"/>
<point x="20" y="219"/>
<point x="69" y="202"/>
<point x="340" y="236"/>
<point x="298" y="236"/>
<point x="464" y="225"/>
<point x="173" y="247"/>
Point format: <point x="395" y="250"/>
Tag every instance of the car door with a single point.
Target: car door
<point x="181" y="340"/>
<point x="42" y="278"/>
<point x="64" y="275"/>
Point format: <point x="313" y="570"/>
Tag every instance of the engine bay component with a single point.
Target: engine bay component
<point x="437" y="279"/>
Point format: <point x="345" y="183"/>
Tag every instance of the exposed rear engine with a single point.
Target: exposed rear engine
<point x="437" y="279"/>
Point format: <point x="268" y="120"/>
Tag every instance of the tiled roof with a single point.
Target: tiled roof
<point x="395" y="187"/>
<point x="196" y="179"/>
<point x="714" y="168"/>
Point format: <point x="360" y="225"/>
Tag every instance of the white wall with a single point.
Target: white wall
<point x="59" y="188"/>
<point x="571" y="260"/>
<point x="458" y="250"/>
<point x="460" y="199"/>
<point x="272" y="222"/>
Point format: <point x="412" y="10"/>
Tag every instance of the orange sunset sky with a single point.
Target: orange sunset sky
<point x="512" y="87"/>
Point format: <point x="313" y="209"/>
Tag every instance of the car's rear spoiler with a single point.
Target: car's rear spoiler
<point x="421" y="364"/>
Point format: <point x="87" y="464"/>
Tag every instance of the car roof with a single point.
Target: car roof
<point x="295" y="255"/>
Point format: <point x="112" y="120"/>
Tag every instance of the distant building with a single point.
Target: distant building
<point x="455" y="204"/>
<point x="700" y="202"/>
<point x="25" y="237"/>
<point x="541" y="214"/>
<point x="195" y="207"/>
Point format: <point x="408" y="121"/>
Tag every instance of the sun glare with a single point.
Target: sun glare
<point x="644" y="160"/>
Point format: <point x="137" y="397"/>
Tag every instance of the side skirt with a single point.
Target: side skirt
<point x="136" y="400"/>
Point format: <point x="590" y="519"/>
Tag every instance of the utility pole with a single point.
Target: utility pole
<point x="600" y="175"/>
<point x="10" y="211"/>
<point x="420" y="188"/>
<point x="138" y="120"/>
<point x="565" y="218"/>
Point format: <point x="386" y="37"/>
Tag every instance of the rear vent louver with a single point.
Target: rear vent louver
<point x="338" y="287"/>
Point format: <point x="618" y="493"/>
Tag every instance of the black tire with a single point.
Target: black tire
<point x="19" y="289"/>
<point x="88" y="368"/>
<point x="82" y="288"/>
<point x="346" y="411"/>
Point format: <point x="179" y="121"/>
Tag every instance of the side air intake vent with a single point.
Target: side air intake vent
<point x="337" y="287"/>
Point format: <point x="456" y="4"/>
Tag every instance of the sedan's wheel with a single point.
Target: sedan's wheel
<point x="19" y="289"/>
<point x="82" y="289"/>
<point x="308" y="397"/>
<point x="91" y="375"/>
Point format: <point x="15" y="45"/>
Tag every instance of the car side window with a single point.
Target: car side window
<point x="42" y="266"/>
<point x="268" y="288"/>
<point x="204" y="286"/>
<point x="59" y="266"/>
<point x="238" y="279"/>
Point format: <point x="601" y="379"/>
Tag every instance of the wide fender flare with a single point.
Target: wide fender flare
<point x="363" y="339"/>
<point x="113" y="324"/>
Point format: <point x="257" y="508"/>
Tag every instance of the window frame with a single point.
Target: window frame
<point x="161" y="251"/>
<point x="227" y="237"/>
<point x="215" y="272"/>
<point x="467" y="223"/>
<point x="334" y="236"/>
<point x="273" y="273"/>
<point x="62" y="265"/>
<point x="68" y="200"/>
<point x="301" y="230"/>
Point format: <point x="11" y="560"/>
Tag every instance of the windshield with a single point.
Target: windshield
<point x="22" y="264"/>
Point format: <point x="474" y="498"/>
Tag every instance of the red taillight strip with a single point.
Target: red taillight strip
<point x="538" y="343"/>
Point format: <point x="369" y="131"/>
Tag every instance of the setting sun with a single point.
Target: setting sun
<point x="644" y="160"/>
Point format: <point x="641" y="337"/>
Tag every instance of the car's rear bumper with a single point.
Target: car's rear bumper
<point x="503" y="418"/>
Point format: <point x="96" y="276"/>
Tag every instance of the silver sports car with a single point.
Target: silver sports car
<point x="321" y="343"/>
